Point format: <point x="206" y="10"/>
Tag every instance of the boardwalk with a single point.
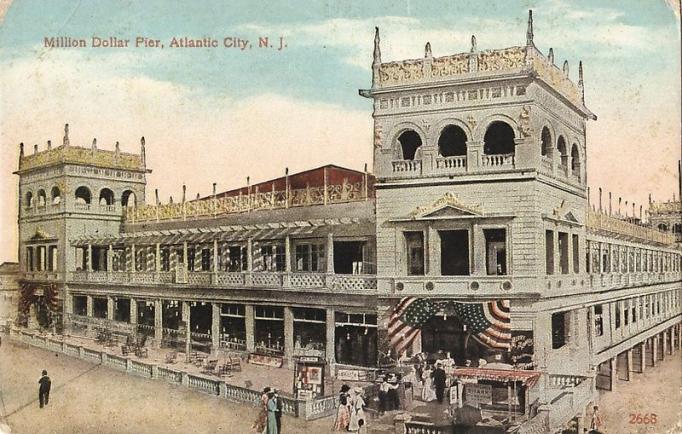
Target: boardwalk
<point x="89" y="398"/>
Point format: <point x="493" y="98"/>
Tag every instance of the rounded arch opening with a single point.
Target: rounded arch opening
<point x="83" y="195"/>
<point x="561" y="147"/>
<point x="498" y="139"/>
<point x="575" y="160"/>
<point x="409" y="143"/>
<point x="56" y="196"/>
<point x="42" y="197"/>
<point x="663" y="227"/>
<point x="28" y="200"/>
<point x="546" y="138"/>
<point x="452" y="141"/>
<point x="128" y="198"/>
<point x="106" y="197"/>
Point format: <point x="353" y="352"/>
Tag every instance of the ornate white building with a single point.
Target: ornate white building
<point x="473" y="236"/>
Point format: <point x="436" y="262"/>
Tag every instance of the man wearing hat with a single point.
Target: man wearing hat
<point x="44" y="389"/>
<point x="438" y="376"/>
<point x="278" y="412"/>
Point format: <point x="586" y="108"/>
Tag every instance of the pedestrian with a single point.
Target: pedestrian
<point x="260" y="424"/>
<point x="271" y="427"/>
<point x="439" y="381"/>
<point x="596" y="422"/>
<point x="44" y="389"/>
<point x="357" y="413"/>
<point x="278" y="412"/>
<point x="343" y="412"/>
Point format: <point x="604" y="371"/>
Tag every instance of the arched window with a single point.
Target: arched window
<point x="677" y="228"/>
<point x="83" y="195"/>
<point x="106" y="197"/>
<point x="663" y="227"/>
<point x="546" y="138"/>
<point x="452" y="141"/>
<point x="561" y="147"/>
<point x="128" y="198"/>
<point x="499" y="139"/>
<point x="575" y="160"/>
<point x="42" y="197"/>
<point x="409" y="143"/>
<point x="56" y="196"/>
<point x="28" y="202"/>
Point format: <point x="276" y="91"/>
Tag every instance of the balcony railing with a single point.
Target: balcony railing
<point x="273" y="280"/>
<point x="598" y="222"/>
<point x="452" y="164"/>
<point x="407" y="166"/>
<point x="497" y="160"/>
<point x="43" y="275"/>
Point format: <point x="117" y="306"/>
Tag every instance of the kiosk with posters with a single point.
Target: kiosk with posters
<point x="309" y="377"/>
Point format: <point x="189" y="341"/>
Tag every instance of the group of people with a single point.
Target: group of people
<point x="350" y="416"/>
<point x="433" y="382"/>
<point x="269" y="419"/>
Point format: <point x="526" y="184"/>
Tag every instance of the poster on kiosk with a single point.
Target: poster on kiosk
<point x="309" y="377"/>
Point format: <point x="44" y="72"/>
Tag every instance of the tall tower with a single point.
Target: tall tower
<point x="67" y="192"/>
<point x="481" y="186"/>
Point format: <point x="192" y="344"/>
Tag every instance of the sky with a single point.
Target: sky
<point x="220" y="115"/>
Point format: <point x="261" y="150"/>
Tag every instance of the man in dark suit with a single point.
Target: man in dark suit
<point x="44" y="389"/>
<point x="278" y="412"/>
<point x="438" y="376"/>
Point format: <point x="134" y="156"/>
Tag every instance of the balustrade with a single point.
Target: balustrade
<point x="409" y="166"/>
<point x="497" y="160"/>
<point x="452" y="164"/>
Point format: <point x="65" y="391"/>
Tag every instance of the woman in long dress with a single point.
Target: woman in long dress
<point x="261" y="420"/>
<point x="343" y="412"/>
<point x="272" y="411"/>
<point x="358" y="421"/>
<point x="428" y="388"/>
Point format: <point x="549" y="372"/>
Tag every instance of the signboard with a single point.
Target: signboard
<point x="348" y="375"/>
<point x="521" y="351"/>
<point x="309" y="379"/>
<point x="476" y="394"/>
<point x="260" y="359"/>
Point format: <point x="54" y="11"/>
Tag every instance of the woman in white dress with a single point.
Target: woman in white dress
<point x="358" y="421"/>
<point x="428" y="388"/>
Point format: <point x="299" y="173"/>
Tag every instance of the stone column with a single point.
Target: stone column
<point x="249" y="325"/>
<point x="474" y="153"/>
<point x="215" y="327"/>
<point x="89" y="257"/>
<point x="88" y="306"/>
<point x="671" y="347"/>
<point x="157" y="260"/>
<point x="133" y="258"/>
<point x="186" y="313"/>
<point x="569" y="257"/>
<point x="330" y="253"/>
<point x="158" y="322"/>
<point x="216" y="256"/>
<point x="628" y="354"/>
<point x="289" y="336"/>
<point x="249" y="262"/>
<point x="557" y="255"/>
<point x="613" y="364"/>
<point x="110" y="308"/>
<point x="133" y="311"/>
<point x="330" y="335"/>
<point x="654" y="347"/>
<point x="110" y="258"/>
<point x="432" y="259"/>
<point x="642" y="357"/>
<point x="664" y="343"/>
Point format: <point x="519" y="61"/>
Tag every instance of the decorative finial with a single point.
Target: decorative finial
<point x="376" y="58"/>
<point x="427" y="50"/>
<point x="610" y="209"/>
<point x="286" y="170"/>
<point x="600" y="208"/>
<point x="49" y="145"/>
<point x="143" y="156"/>
<point x="550" y="56"/>
<point x="365" y="167"/>
<point x="581" y="82"/>
<point x="198" y="196"/>
<point x="473" y="43"/>
<point x="156" y="194"/>
<point x="35" y="149"/>
<point x="214" y="189"/>
<point x="21" y="149"/>
<point x="94" y="144"/>
<point x="66" y="135"/>
<point x="529" y="31"/>
<point x="117" y="147"/>
<point x="170" y="199"/>
<point x="184" y="192"/>
<point x="650" y="202"/>
<point x="566" y="67"/>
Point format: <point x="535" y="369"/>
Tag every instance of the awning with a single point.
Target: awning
<point x="529" y="378"/>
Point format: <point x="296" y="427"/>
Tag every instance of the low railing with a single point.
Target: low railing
<point x="141" y="369"/>
<point x="599" y="222"/>
<point x="117" y="362"/>
<point x="407" y="166"/>
<point x="266" y="279"/>
<point x="417" y="427"/>
<point x="569" y="403"/>
<point x="455" y="164"/>
<point x="497" y="160"/>
<point x="81" y="206"/>
<point x="169" y="374"/>
<point x="321" y="407"/>
<point x="203" y="384"/>
<point x="43" y="275"/>
<point x="562" y="381"/>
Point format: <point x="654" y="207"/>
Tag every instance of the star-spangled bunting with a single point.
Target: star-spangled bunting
<point x="489" y="322"/>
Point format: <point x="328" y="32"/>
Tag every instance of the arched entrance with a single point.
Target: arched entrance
<point x="446" y="333"/>
<point x="38" y="305"/>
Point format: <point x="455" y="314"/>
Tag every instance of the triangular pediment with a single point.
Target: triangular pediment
<point x="448" y="206"/>
<point x="41" y="234"/>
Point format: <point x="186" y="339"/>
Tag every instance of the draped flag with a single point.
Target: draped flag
<point x="489" y="322"/>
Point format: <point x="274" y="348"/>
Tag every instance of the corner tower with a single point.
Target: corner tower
<point x="66" y="192"/>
